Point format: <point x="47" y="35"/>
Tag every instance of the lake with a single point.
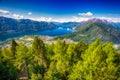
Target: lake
<point x="55" y="32"/>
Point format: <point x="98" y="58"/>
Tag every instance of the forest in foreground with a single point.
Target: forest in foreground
<point x="60" y="61"/>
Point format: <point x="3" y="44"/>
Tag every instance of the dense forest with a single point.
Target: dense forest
<point x="60" y="61"/>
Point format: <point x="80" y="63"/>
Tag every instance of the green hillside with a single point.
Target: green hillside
<point x="91" y="31"/>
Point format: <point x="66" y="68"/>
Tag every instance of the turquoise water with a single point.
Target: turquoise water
<point x="55" y="32"/>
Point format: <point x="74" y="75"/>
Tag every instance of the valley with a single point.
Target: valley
<point x="71" y="32"/>
<point x="12" y="28"/>
<point x="59" y="39"/>
<point x="86" y="31"/>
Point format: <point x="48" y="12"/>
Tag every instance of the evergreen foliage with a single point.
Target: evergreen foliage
<point x="60" y="61"/>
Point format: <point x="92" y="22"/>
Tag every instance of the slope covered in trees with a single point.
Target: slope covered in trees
<point x="60" y="61"/>
<point x="89" y="32"/>
<point x="12" y="27"/>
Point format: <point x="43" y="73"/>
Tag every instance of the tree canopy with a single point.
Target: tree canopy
<point x="60" y="61"/>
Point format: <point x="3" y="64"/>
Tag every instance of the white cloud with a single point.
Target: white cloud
<point x="4" y="12"/>
<point x="110" y="19"/>
<point x="71" y="19"/>
<point x="82" y="17"/>
<point x="74" y="19"/>
<point x="48" y="19"/>
<point x="88" y="14"/>
<point x="17" y="16"/>
<point x="60" y="20"/>
<point x="79" y="19"/>
<point x="29" y="13"/>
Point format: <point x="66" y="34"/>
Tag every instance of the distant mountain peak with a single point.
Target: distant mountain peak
<point x="95" y="28"/>
<point x="93" y="20"/>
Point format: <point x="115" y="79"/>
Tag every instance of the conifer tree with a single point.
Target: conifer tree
<point x="98" y="63"/>
<point x="21" y="60"/>
<point x="13" y="47"/>
<point x="39" y="64"/>
<point x="7" y="68"/>
<point x="80" y="48"/>
<point x="60" y="59"/>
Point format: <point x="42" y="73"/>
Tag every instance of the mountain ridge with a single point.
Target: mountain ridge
<point x="91" y="31"/>
<point x="86" y="31"/>
<point x="10" y="27"/>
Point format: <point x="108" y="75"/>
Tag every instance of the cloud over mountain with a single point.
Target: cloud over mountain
<point x="48" y="19"/>
<point x="29" y="13"/>
<point x="17" y="16"/>
<point x="88" y="14"/>
<point x="4" y="12"/>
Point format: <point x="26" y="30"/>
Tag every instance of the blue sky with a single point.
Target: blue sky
<point x="61" y="10"/>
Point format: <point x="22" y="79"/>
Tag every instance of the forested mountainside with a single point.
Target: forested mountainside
<point x="9" y="26"/>
<point x="95" y="29"/>
<point x="59" y="61"/>
<point x="22" y="25"/>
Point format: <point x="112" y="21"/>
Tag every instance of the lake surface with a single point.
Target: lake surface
<point x="55" y="32"/>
